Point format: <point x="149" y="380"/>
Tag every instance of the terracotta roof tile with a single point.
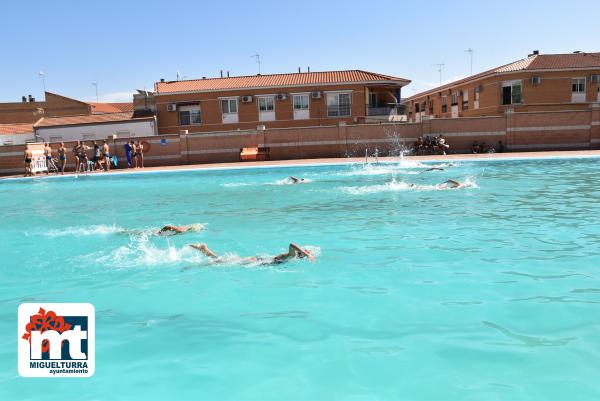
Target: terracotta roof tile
<point x="275" y="80"/>
<point x="6" y="129"/>
<point x="100" y="108"/>
<point x="84" y="119"/>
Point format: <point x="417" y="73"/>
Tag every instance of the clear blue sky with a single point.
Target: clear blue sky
<point x="124" y="45"/>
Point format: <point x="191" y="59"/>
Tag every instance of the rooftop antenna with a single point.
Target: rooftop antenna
<point x="96" y="85"/>
<point x="42" y="75"/>
<point x="180" y="76"/>
<point x="257" y="56"/>
<point x="470" y="51"/>
<point x="439" y="69"/>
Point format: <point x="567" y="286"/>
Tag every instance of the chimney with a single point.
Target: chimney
<point x="299" y="70"/>
<point x="203" y="77"/>
<point x="221" y="73"/>
<point x="24" y="99"/>
<point x="308" y="69"/>
<point x="162" y="80"/>
<point x="536" y="52"/>
<point x="227" y="74"/>
<point x="31" y="99"/>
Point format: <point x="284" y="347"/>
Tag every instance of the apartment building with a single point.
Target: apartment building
<point x="540" y="82"/>
<point x="276" y="100"/>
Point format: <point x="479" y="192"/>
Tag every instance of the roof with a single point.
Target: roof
<point x="100" y="108"/>
<point x="275" y="80"/>
<point x="534" y="62"/>
<point x="87" y="119"/>
<point x="20" y="128"/>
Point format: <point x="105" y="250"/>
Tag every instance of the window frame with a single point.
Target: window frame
<point x="229" y="101"/>
<point x="512" y="85"/>
<point x="301" y="95"/>
<point x="264" y="98"/>
<point x="338" y="105"/>
<point x="578" y="84"/>
<point x="192" y="112"/>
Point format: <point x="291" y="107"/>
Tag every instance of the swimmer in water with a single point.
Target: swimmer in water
<point x="432" y="169"/>
<point x="174" y="230"/>
<point x="451" y="184"/>
<point x="294" y="252"/>
<point x="296" y="180"/>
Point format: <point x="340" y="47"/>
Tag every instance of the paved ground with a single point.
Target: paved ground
<point x="342" y="160"/>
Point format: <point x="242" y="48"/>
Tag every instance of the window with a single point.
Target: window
<point x="229" y="106"/>
<point x="444" y="104"/>
<point x="189" y="115"/>
<point x="300" y="102"/>
<point x="578" y="85"/>
<point x="465" y="101"/>
<point x="338" y="104"/>
<point x="373" y="100"/>
<point x="266" y="103"/>
<point x="511" y="92"/>
<point x="417" y="107"/>
<point x="455" y="99"/>
<point x="431" y="107"/>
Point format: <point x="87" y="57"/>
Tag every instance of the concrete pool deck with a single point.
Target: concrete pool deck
<point x="344" y="160"/>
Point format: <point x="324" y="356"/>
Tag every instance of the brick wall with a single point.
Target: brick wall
<point x="517" y="131"/>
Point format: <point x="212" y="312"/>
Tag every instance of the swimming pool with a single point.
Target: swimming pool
<point x="485" y="292"/>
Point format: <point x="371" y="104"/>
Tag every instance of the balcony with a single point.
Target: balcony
<point x="390" y="110"/>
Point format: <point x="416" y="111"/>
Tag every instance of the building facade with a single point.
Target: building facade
<point x="276" y="101"/>
<point x="94" y="127"/>
<point x="540" y="82"/>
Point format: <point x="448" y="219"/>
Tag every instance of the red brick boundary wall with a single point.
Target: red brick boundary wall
<point x="527" y="131"/>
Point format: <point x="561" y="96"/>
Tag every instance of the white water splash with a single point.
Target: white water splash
<point x="395" y="186"/>
<point x="80" y="231"/>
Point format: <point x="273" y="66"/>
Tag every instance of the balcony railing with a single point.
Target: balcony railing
<point x="385" y="110"/>
<point x="338" y="111"/>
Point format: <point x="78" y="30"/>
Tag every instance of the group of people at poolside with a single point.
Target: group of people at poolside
<point x="87" y="158"/>
<point x="430" y="145"/>
<point x="482" y="147"/>
<point x="294" y="251"/>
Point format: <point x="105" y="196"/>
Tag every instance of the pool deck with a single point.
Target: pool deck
<point x="350" y="160"/>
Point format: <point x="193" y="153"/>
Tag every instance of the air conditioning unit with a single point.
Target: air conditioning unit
<point x="315" y="95"/>
<point x="595" y="78"/>
<point x="536" y="80"/>
<point x="172" y="107"/>
<point x="281" y="96"/>
<point x="246" y="99"/>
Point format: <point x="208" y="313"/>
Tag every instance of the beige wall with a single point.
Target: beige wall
<point x="518" y="131"/>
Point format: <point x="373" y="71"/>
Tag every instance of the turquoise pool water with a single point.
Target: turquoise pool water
<point x="486" y="292"/>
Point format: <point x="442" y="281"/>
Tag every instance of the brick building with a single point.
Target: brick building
<point x="276" y="101"/>
<point x="29" y="110"/>
<point x="540" y="82"/>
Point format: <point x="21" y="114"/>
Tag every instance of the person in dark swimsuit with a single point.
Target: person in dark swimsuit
<point x="62" y="155"/>
<point x="49" y="162"/>
<point x="294" y="252"/>
<point x="129" y="153"/>
<point x="28" y="159"/>
<point x="83" y="158"/>
<point x="106" y="154"/>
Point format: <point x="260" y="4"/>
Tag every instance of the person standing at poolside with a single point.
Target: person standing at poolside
<point x="49" y="162"/>
<point x="62" y="155"/>
<point x="96" y="157"/>
<point x="129" y="152"/>
<point x="76" y="151"/>
<point x="28" y="154"/>
<point x="106" y="154"/>
<point x="83" y="158"/>
<point x="139" y="154"/>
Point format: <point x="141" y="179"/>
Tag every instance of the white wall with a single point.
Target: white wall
<point x="99" y="131"/>
<point x="17" y="139"/>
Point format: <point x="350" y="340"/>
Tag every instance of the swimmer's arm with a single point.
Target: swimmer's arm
<point x="204" y="249"/>
<point x="302" y="251"/>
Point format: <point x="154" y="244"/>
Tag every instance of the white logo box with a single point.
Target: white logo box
<point x="80" y="365"/>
